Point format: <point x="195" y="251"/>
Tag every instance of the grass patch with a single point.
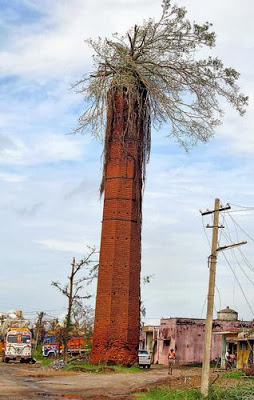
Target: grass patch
<point x="77" y="365"/>
<point x="165" y="393"/>
<point x="43" y="361"/>
<point x="237" y="392"/>
<point x="237" y="375"/>
<point x="134" y="368"/>
<point x="83" y="366"/>
<point x="232" y="374"/>
<point x="37" y="353"/>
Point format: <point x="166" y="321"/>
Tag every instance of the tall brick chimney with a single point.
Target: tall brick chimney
<point x="116" y="328"/>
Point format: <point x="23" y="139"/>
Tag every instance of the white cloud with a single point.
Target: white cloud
<point x="58" y="47"/>
<point x="52" y="148"/>
<point x="14" y="178"/>
<point x="63" y="245"/>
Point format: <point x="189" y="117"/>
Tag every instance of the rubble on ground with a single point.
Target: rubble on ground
<point x="56" y="365"/>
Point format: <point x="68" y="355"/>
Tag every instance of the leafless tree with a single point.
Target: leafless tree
<point x="74" y="286"/>
<point x="83" y="317"/>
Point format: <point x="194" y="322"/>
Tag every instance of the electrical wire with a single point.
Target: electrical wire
<point x="245" y="207"/>
<point x="239" y="284"/>
<point x="203" y="308"/>
<point x="220" y="307"/>
<point x="245" y="274"/>
<point x="223" y="222"/>
<point x="241" y="228"/>
<point x="204" y="228"/>
<point x="228" y="236"/>
<point x="247" y="262"/>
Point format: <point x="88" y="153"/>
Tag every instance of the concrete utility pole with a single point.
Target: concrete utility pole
<point x="211" y="290"/>
<point x="210" y="302"/>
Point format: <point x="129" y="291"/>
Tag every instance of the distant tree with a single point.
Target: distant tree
<point x="72" y="290"/>
<point x="145" y="279"/>
<point x="52" y="324"/>
<point x="39" y="328"/>
<point x="83" y="318"/>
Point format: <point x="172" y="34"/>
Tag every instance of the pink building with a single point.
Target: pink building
<point x="186" y="335"/>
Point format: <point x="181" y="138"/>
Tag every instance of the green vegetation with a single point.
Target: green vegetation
<point x="166" y="393"/>
<point x="43" y="361"/>
<point x="237" y="392"/>
<point x="82" y="365"/>
<point x="134" y="368"/>
<point x="77" y="365"/>
<point x="232" y="374"/>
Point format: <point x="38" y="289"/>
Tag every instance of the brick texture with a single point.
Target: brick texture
<point x="116" y="328"/>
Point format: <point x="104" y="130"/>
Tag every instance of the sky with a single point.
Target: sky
<point x="50" y="207"/>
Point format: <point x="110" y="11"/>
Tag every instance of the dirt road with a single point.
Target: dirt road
<point x="23" y="382"/>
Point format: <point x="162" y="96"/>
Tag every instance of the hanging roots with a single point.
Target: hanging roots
<point x="135" y="128"/>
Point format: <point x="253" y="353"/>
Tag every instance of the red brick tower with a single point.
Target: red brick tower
<point x="116" y="328"/>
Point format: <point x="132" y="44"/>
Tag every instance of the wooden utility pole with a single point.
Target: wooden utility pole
<point x="210" y="302"/>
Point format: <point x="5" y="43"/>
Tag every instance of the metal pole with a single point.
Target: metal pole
<point x="210" y="303"/>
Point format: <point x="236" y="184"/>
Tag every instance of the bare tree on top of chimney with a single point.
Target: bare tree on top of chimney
<point x="153" y="75"/>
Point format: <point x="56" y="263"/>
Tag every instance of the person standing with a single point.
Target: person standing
<point x="171" y="361"/>
<point x="227" y="360"/>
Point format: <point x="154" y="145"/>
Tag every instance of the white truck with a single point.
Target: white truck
<point x="17" y="345"/>
<point x="17" y="342"/>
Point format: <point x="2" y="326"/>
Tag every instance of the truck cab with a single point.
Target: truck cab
<point x="17" y="345"/>
<point x="50" y="347"/>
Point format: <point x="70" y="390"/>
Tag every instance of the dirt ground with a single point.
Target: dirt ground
<point x="25" y="381"/>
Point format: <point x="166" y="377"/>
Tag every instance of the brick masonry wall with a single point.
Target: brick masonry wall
<point x="116" y="328"/>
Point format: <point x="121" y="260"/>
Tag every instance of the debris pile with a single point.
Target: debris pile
<point x="56" y="365"/>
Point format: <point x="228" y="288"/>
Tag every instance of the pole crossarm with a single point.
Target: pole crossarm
<point x="227" y="207"/>
<point x="229" y="246"/>
<point x="212" y="226"/>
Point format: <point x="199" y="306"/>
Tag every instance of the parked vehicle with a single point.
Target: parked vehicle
<point x="17" y="345"/>
<point x="51" y="347"/>
<point x="144" y="358"/>
<point x="76" y="345"/>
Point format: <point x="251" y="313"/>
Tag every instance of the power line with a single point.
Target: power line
<point x="204" y="228"/>
<point x="35" y="312"/>
<point x="241" y="228"/>
<point x="216" y="287"/>
<point x="238" y="283"/>
<point x="238" y="263"/>
<point x="203" y="308"/>
<point x="247" y="262"/>
<point x="245" y="207"/>
<point x="246" y="275"/>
